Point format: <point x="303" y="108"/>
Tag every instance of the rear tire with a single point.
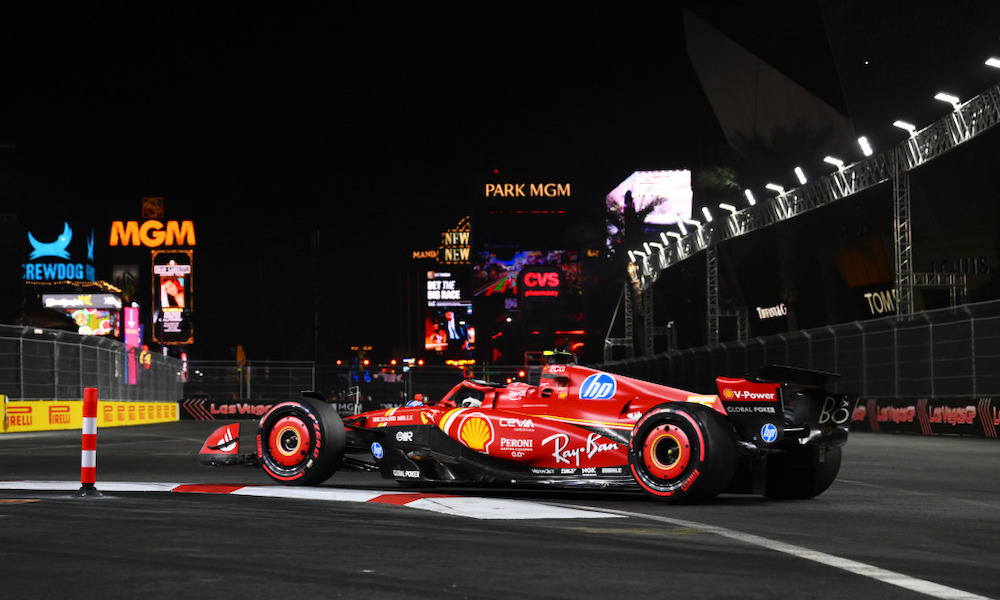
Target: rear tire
<point x="301" y="442"/>
<point x="682" y="453"/>
<point x="799" y="475"/>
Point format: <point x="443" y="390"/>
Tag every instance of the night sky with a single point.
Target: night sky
<point x="372" y="124"/>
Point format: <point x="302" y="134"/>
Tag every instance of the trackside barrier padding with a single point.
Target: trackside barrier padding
<point x="49" y="415"/>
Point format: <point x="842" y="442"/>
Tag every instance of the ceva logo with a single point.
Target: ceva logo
<point x="599" y="386"/>
<point x="57" y="249"/>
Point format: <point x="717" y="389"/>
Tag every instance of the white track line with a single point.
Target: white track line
<point x="922" y="586"/>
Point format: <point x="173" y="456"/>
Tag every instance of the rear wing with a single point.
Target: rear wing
<point x="796" y="376"/>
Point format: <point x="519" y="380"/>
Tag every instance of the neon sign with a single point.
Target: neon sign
<point x="152" y="233"/>
<point x="59" y="249"/>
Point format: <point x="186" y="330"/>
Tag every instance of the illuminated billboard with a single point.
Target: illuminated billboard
<point x="498" y="275"/>
<point x="448" y="328"/>
<point x="59" y="254"/>
<point x="93" y="314"/>
<point x="172" y="285"/>
<point x="668" y="191"/>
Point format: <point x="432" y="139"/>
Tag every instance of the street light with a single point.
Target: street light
<point x="750" y="197"/>
<point x="866" y="148"/>
<point x="949" y="98"/>
<point x="909" y="127"/>
<point x="775" y="187"/>
<point x="801" y="175"/>
<point x="834" y="161"/>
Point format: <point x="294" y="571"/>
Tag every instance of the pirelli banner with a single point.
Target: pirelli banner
<point x="49" y="415"/>
<point x="961" y="416"/>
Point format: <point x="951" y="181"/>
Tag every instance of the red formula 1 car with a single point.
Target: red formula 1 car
<point x="776" y="432"/>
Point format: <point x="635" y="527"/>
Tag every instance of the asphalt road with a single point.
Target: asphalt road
<point x="909" y="517"/>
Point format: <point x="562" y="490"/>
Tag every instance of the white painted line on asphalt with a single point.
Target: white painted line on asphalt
<point x="471" y="507"/>
<point x="915" y="584"/>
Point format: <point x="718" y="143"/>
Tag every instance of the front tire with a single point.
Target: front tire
<point x="682" y="453"/>
<point x="301" y="442"/>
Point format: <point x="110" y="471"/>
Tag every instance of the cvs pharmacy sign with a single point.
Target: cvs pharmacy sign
<point x="540" y="282"/>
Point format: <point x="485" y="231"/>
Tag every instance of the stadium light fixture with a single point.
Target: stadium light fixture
<point x="951" y="99"/>
<point x="834" y="161"/>
<point x="750" y="197"/>
<point x="801" y="175"/>
<point x="866" y="148"/>
<point x="673" y="234"/>
<point x="645" y="246"/>
<point x="776" y="188"/>
<point x="993" y="62"/>
<point x="728" y="207"/>
<point x="693" y="222"/>
<point x="680" y="225"/>
<point x="656" y="245"/>
<point x="707" y="213"/>
<point x="909" y="127"/>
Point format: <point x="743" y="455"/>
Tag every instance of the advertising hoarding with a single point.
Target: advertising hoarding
<point x="668" y="191"/>
<point x="172" y="296"/>
<point x="448" y="328"/>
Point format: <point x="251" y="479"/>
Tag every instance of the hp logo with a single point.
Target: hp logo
<point x="599" y="386"/>
<point x="377" y="450"/>
<point x="768" y="433"/>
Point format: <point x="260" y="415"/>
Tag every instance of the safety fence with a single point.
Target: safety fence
<point x="46" y="364"/>
<point x="229" y="389"/>
<point x="952" y="352"/>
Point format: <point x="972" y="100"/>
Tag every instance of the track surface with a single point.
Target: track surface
<point x="909" y="517"/>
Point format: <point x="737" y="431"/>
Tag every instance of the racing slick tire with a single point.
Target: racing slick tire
<point x="301" y="442"/>
<point x="682" y="453"/>
<point x="800" y="474"/>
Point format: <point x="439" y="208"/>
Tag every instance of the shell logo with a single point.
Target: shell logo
<point x="476" y="432"/>
<point x="728" y="393"/>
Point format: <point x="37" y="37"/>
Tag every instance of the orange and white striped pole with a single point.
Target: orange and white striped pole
<point x="88" y="460"/>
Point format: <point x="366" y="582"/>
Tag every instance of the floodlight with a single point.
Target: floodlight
<point x="728" y="207"/>
<point x="909" y="127"/>
<point x="750" y="197"/>
<point x="775" y="187"/>
<point x="707" y="213"/>
<point x="993" y="62"/>
<point x="800" y="175"/>
<point x="673" y="234"/>
<point x="693" y="222"/>
<point x="866" y="148"/>
<point x="680" y="225"/>
<point x="949" y="98"/>
<point x="834" y="161"/>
